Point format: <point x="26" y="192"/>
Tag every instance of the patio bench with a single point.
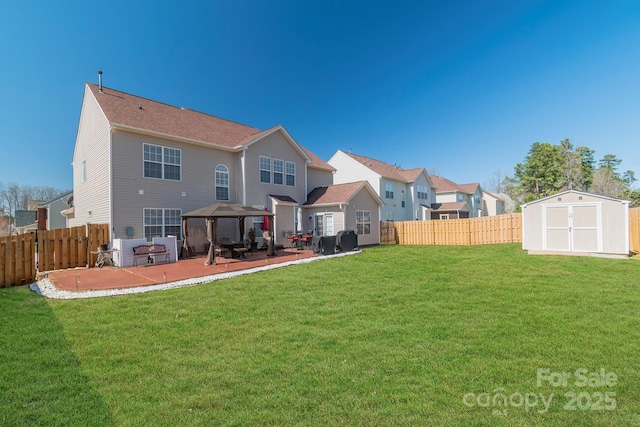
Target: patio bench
<point x="148" y="251"/>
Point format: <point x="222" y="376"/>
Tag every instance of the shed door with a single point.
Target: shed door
<point x="585" y="231"/>
<point x="557" y="230"/>
<point x="572" y="228"/>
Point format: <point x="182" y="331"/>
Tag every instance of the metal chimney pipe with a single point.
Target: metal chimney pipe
<point x="100" y="81"/>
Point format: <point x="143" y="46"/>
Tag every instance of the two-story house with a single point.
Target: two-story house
<point x="407" y="193"/>
<point x="455" y="201"/>
<point x="139" y="164"/>
<point x="493" y="204"/>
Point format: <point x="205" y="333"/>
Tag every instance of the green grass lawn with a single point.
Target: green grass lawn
<point x="397" y="335"/>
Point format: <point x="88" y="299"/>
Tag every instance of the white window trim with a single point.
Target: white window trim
<point x="286" y="174"/>
<point x="163" y="225"/>
<point x="260" y="170"/>
<point x="281" y="173"/>
<point x="364" y="222"/>
<point x="215" y="179"/>
<point x="162" y="162"/>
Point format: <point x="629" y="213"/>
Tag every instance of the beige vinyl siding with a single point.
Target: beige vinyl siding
<point x="285" y="222"/>
<point x="92" y="146"/>
<point x="364" y="201"/>
<point x="274" y="146"/>
<point x="197" y="182"/>
<point x="318" y="178"/>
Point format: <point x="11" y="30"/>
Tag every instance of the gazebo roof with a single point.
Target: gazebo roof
<point x="226" y="210"/>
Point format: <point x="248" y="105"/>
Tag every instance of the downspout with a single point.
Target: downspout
<point x="243" y="175"/>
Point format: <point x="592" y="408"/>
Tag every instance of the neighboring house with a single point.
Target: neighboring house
<point x="25" y="221"/>
<point x="139" y="164"/>
<point x="407" y="194"/>
<point x="349" y="206"/>
<point x="451" y="197"/>
<point x="450" y="210"/>
<point x="55" y="208"/>
<point x="493" y="205"/>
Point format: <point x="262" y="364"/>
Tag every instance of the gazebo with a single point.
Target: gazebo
<point x="221" y="210"/>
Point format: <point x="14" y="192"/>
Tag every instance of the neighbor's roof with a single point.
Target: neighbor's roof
<point x="387" y="170"/>
<point x="470" y="188"/>
<point x="61" y="196"/>
<point x="492" y="195"/>
<point x="335" y="194"/>
<point x="24" y="218"/>
<point x="450" y="206"/>
<point x="444" y="185"/>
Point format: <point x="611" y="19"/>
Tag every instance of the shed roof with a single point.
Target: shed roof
<point x="575" y="192"/>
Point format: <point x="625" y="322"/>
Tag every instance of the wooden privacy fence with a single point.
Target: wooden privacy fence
<point x="469" y="231"/>
<point x="634" y="230"/>
<point x="23" y="255"/>
<point x="476" y="231"/>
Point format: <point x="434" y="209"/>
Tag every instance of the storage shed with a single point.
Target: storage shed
<point x="576" y="223"/>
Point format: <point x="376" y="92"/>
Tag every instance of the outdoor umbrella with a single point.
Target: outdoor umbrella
<point x="299" y="227"/>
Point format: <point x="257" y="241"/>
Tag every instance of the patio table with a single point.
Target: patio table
<point x="233" y="248"/>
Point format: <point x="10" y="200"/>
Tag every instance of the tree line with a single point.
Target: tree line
<point x="548" y="169"/>
<point x="18" y="197"/>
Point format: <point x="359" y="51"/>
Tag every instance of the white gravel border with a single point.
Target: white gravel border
<point x="45" y="288"/>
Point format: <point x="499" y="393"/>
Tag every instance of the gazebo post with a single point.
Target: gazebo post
<point x="185" y="245"/>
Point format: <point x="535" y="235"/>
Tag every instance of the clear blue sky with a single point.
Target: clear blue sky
<point x="464" y="87"/>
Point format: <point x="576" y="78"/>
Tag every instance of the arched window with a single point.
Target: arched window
<point x="222" y="182"/>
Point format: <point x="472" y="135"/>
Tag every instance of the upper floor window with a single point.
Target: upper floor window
<point x="222" y="182"/>
<point x="84" y="171"/>
<point x="422" y="192"/>
<point x="284" y="173"/>
<point x="388" y="190"/>
<point x="162" y="162"/>
<point x="265" y="169"/>
<point x="290" y="174"/>
<point x="278" y="171"/>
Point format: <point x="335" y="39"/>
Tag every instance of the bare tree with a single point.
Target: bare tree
<point x="495" y="183"/>
<point x="606" y="183"/>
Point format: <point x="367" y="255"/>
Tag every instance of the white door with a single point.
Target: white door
<point x="324" y="224"/>
<point x="572" y="228"/>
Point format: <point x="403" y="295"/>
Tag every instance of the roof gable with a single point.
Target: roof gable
<point x="387" y="170"/>
<point x="450" y="206"/>
<point x="444" y="185"/>
<point x="337" y="193"/>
